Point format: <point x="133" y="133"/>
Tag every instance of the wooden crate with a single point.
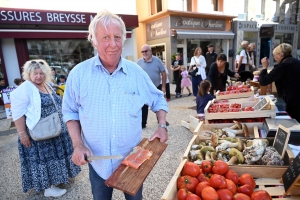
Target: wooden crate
<point x="236" y="96"/>
<point x="201" y="135"/>
<point x="268" y="112"/>
<point x="191" y="124"/>
<point x="267" y="178"/>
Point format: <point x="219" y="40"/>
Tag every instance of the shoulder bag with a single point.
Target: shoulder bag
<point x="48" y="127"/>
<point x="193" y="72"/>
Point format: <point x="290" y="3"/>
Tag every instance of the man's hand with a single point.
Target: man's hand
<point x="160" y="133"/>
<point x="78" y="155"/>
<point x="163" y="89"/>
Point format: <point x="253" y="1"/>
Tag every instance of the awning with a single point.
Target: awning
<point x="199" y="34"/>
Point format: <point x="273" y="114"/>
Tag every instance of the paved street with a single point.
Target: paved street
<point x="79" y="188"/>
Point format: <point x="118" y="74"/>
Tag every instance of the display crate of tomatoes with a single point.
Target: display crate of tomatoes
<point x="235" y="92"/>
<point x="216" y="112"/>
<point x="218" y="181"/>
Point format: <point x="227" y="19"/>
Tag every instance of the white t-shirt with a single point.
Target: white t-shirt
<point x="242" y="53"/>
<point x="167" y="72"/>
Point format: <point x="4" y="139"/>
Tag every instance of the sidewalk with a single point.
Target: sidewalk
<point x="79" y="188"/>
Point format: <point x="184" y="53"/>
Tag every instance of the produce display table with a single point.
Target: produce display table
<point x="267" y="178"/>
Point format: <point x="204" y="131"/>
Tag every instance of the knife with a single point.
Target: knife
<point x="89" y="158"/>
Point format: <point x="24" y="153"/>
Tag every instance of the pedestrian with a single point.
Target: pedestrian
<point x="46" y="163"/>
<point x="168" y="94"/>
<point x="252" y="54"/>
<point x="175" y="67"/>
<point x="218" y="74"/>
<point x="153" y="66"/>
<point x="18" y="81"/>
<point x="241" y="57"/>
<point x="203" y="98"/>
<point x="285" y="74"/>
<point x="199" y="62"/>
<point x="185" y="81"/>
<point x="210" y="57"/>
<point x="3" y="85"/>
<point x="102" y="104"/>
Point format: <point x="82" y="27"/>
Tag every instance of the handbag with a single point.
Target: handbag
<point x="193" y="72"/>
<point x="48" y="127"/>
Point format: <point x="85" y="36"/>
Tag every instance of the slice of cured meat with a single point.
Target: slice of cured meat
<point x="137" y="157"/>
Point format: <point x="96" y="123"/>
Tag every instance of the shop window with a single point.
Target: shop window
<point x="217" y="5"/>
<point x="156" y="6"/>
<point x="60" y="54"/>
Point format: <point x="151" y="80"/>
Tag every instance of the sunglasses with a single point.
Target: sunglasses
<point x="34" y="62"/>
<point x="144" y="51"/>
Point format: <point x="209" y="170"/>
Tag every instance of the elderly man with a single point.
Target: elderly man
<point x="242" y="57"/>
<point x="154" y="67"/>
<point x="102" y="104"/>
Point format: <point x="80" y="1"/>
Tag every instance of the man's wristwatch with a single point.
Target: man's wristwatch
<point x="163" y="126"/>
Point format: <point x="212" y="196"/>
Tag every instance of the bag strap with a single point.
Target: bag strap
<point x="51" y="97"/>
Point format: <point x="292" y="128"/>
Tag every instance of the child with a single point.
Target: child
<point x="185" y="81"/>
<point x="203" y="98"/>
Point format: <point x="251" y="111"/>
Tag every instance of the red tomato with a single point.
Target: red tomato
<point x="231" y="186"/>
<point x="182" y="194"/>
<point x="209" y="193"/>
<point x="187" y="182"/>
<point x="200" y="187"/>
<point x="245" y="189"/>
<point x="202" y="178"/>
<point x="261" y="195"/>
<point x="217" y="181"/>
<point x="192" y="197"/>
<point x="190" y="169"/>
<point x="232" y="175"/>
<point x="224" y="194"/>
<point x="247" y="179"/>
<point x="240" y="196"/>
<point x="220" y="167"/>
<point x="206" y="166"/>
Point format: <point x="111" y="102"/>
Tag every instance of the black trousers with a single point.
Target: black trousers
<point x="178" y="84"/>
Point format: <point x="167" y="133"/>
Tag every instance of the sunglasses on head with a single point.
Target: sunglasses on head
<point x="144" y="51"/>
<point x="34" y="62"/>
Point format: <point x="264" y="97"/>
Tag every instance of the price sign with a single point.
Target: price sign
<point x="281" y="140"/>
<point x="291" y="177"/>
<point x="261" y="104"/>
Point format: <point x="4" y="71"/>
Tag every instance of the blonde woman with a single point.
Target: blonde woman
<point x="45" y="163"/>
<point x="197" y="61"/>
<point x="285" y="74"/>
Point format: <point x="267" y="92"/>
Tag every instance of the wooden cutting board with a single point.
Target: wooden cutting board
<point x="128" y="179"/>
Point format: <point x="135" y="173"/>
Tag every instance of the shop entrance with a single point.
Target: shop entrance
<point x="264" y="48"/>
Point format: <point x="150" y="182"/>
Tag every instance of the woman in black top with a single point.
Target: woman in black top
<point x="218" y="73"/>
<point x="286" y="77"/>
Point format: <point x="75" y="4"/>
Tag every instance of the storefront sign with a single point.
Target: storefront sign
<point x="198" y="23"/>
<point x="247" y="26"/>
<point x="266" y="31"/>
<point x="44" y="17"/>
<point x="286" y="28"/>
<point x="158" y="29"/>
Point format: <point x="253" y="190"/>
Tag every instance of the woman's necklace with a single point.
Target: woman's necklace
<point x="42" y="88"/>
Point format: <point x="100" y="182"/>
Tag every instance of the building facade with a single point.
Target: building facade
<point x="59" y="36"/>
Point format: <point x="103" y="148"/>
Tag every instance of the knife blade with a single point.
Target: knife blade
<point x="89" y="158"/>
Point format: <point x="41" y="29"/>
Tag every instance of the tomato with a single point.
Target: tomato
<point x="190" y="169"/>
<point x="247" y="179"/>
<point x="206" y="166"/>
<point x="192" y="197"/>
<point x="187" y="182"/>
<point x="224" y="194"/>
<point x="202" y="177"/>
<point x="261" y="195"/>
<point x="220" y="167"/>
<point x="217" y="181"/>
<point x="231" y="186"/>
<point x="200" y="187"/>
<point x="245" y="189"/>
<point x="240" y="196"/>
<point x="182" y="194"/>
<point x="209" y="193"/>
<point x="232" y="175"/>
